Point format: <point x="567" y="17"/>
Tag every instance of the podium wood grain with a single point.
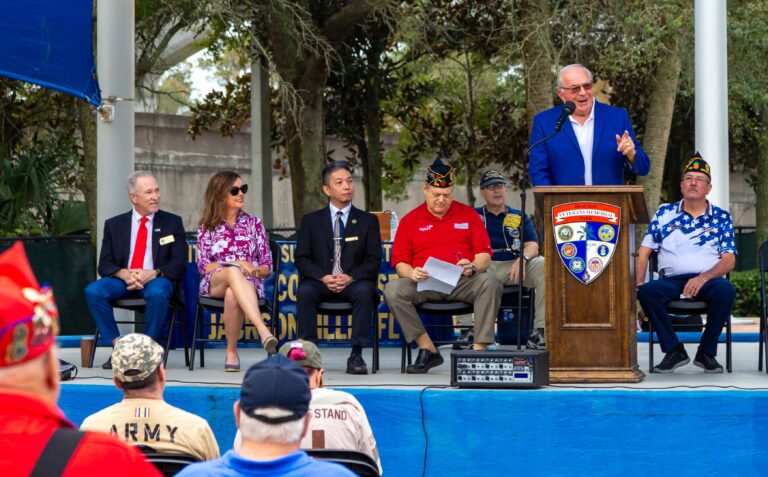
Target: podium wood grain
<point x="591" y="328"/>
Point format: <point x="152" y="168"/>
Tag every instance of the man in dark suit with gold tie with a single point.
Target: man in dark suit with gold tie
<point x="338" y="254"/>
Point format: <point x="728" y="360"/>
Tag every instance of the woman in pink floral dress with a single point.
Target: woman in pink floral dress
<point x="233" y="259"/>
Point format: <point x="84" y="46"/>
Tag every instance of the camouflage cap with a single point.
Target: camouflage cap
<point x="305" y="353"/>
<point x="135" y="357"/>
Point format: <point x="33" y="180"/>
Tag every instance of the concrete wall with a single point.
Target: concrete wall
<point x="183" y="166"/>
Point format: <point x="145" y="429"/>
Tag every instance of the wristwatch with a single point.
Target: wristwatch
<point x="473" y="268"/>
<point x="526" y="258"/>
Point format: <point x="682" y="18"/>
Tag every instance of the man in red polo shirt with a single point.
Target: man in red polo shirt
<point x="453" y="232"/>
<point x="35" y="437"/>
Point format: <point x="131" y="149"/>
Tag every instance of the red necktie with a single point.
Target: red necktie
<point x="141" y="245"/>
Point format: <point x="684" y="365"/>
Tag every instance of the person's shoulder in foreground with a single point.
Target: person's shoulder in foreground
<point x="29" y="389"/>
<point x="297" y="464"/>
<point x="101" y="452"/>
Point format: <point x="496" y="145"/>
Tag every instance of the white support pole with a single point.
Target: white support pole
<point x="115" y="138"/>
<point x="711" y="73"/>
<point x="261" y="153"/>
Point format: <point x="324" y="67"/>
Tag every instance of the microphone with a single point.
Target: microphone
<point x="568" y="109"/>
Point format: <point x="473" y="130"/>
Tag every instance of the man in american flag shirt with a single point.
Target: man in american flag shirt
<point x="696" y="249"/>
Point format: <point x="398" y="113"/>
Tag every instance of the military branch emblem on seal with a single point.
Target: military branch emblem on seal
<point x="586" y="234"/>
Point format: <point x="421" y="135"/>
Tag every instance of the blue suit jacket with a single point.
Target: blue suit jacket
<point x="559" y="161"/>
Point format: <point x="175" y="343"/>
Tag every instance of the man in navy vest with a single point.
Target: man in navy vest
<point x="503" y="225"/>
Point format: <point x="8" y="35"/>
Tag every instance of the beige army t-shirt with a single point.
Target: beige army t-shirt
<point x="157" y="424"/>
<point x="339" y="422"/>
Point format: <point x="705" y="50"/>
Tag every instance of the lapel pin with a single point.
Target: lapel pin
<point x="157" y="230"/>
<point x="354" y="221"/>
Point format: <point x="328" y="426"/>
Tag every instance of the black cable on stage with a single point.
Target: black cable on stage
<point x="423" y="388"/>
<point x="424" y="425"/>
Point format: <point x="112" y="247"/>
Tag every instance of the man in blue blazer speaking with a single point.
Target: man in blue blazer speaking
<point x="595" y="144"/>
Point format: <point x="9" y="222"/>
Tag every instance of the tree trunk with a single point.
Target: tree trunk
<point x="657" y="126"/>
<point x="372" y="167"/>
<point x="87" y="124"/>
<point x="537" y="58"/>
<point x="306" y="167"/>
<point x="761" y="190"/>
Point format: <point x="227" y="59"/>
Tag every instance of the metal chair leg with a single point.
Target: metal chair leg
<point x="728" y="350"/>
<point x="168" y="338"/>
<point x="761" y="338"/>
<point x="195" y="341"/>
<point x="95" y="345"/>
<point x="650" y="346"/>
<point x="375" y="358"/>
<point x="185" y="337"/>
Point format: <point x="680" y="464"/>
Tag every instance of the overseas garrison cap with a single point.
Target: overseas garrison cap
<point x="697" y="164"/>
<point x="28" y="314"/>
<point x="440" y="174"/>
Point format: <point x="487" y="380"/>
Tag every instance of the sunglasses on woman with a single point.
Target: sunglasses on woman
<point x="236" y="190"/>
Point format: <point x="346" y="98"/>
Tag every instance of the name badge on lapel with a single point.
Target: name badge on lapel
<point x="350" y="239"/>
<point x="166" y="239"/>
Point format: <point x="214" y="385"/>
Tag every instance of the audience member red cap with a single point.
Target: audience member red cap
<point x="28" y="315"/>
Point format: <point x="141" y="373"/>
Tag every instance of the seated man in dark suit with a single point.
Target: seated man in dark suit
<point x="143" y="254"/>
<point x="338" y="255"/>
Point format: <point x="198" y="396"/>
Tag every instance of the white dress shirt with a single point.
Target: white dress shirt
<point x="585" y="135"/>
<point x="344" y="214"/>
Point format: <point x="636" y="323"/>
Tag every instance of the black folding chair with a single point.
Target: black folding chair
<point x="216" y="305"/>
<point x="166" y="463"/>
<point x="686" y="307"/>
<point x="140" y="305"/>
<point x="442" y="309"/>
<point x="763" y="264"/>
<point x="358" y="462"/>
<point x="343" y="307"/>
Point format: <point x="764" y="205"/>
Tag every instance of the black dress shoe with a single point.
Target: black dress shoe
<point x="425" y="361"/>
<point x="706" y="362"/>
<point x="107" y="364"/>
<point x="356" y="364"/>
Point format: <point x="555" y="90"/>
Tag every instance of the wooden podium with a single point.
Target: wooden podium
<point x="591" y="323"/>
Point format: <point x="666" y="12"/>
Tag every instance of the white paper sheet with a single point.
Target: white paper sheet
<point x="443" y="276"/>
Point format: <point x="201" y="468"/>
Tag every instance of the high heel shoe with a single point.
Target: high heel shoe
<point x="270" y="345"/>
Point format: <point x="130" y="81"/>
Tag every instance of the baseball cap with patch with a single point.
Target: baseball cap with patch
<point x="28" y="314"/>
<point x="275" y="382"/>
<point x="135" y="357"/>
<point x="491" y="177"/>
<point x="305" y="353"/>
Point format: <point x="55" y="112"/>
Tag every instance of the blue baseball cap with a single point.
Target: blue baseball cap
<point x="275" y="382"/>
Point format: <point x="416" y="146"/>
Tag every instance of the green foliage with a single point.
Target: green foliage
<point x="71" y="217"/>
<point x="747" y="285"/>
<point x="173" y="92"/>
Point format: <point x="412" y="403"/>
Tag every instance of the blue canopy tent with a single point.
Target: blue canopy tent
<point x="50" y="43"/>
